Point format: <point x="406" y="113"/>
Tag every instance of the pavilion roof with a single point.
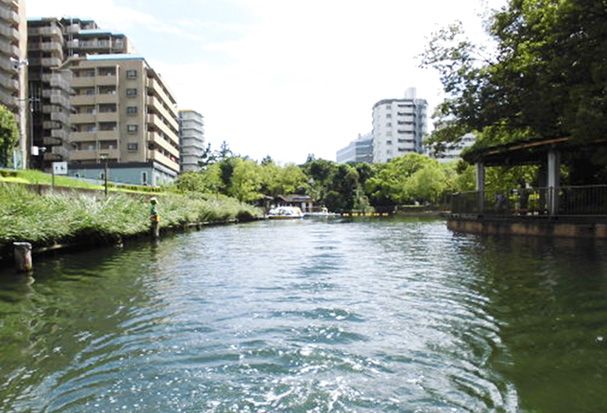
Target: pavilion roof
<point x="530" y="151"/>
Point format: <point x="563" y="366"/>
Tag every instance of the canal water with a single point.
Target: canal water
<point x="379" y="315"/>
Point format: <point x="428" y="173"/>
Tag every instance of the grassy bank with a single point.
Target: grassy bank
<point x="34" y="177"/>
<point x="45" y="220"/>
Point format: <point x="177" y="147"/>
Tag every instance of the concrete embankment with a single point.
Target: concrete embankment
<point x="558" y="227"/>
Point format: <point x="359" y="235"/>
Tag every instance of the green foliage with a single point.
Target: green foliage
<point x="339" y="187"/>
<point x="547" y="78"/>
<point x="245" y="181"/>
<point x="46" y="219"/>
<point x="408" y="179"/>
<point x="9" y="135"/>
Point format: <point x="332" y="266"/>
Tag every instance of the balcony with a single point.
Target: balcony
<point x="58" y="99"/>
<point x="50" y="61"/>
<point x="8" y="100"/>
<point x="60" y="134"/>
<point x="83" y="81"/>
<point x="73" y="28"/>
<point x="46" y="31"/>
<point x="7" y="66"/>
<point x="10" y="33"/>
<point x="83" y="155"/>
<point x="9" y="15"/>
<point x="107" y="117"/>
<point x="60" y="117"/>
<point x="8" y="49"/>
<point x="52" y="47"/>
<point x="80" y="100"/>
<point x="156" y="88"/>
<point x="52" y="157"/>
<point x="58" y="81"/>
<point x="76" y="118"/>
<point x="168" y="116"/>
<point x="94" y="44"/>
<point x="157" y="123"/>
<point x="106" y="135"/>
<point x="83" y="136"/>
<point x="159" y="141"/>
<point x="107" y="98"/>
<point x="62" y="152"/>
<point x="109" y="153"/>
<point x="164" y="160"/>
<point x="9" y="83"/>
<point x="106" y="80"/>
<point x="51" y="141"/>
<point x="48" y="124"/>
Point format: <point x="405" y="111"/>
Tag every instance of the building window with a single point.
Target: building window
<point x="131" y="110"/>
<point x="131" y="74"/>
<point x="132" y="146"/>
<point x="389" y="124"/>
<point x="144" y="178"/>
<point x="131" y="93"/>
<point x="107" y="90"/>
<point x="388" y="115"/>
<point x="132" y="128"/>
<point x="107" y="108"/>
<point x="106" y="71"/>
<point x="107" y="126"/>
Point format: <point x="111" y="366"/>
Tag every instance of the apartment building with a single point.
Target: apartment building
<point x="191" y="138"/>
<point x="398" y="126"/>
<point x="359" y="150"/>
<point x="123" y="115"/>
<point x="453" y="152"/>
<point x="13" y="75"/>
<point x="51" y="42"/>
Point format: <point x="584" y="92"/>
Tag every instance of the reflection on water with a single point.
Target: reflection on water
<point x="370" y="315"/>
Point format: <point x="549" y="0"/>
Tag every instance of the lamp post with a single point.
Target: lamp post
<point x="19" y="64"/>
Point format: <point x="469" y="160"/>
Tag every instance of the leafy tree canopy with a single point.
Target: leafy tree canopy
<point x="9" y="135"/>
<point x="547" y="77"/>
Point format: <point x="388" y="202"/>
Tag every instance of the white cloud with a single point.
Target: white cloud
<point x="303" y="76"/>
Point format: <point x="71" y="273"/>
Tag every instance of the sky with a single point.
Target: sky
<point x="282" y="78"/>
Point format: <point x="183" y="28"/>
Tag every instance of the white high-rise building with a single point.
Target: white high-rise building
<point x="360" y="150"/>
<point x="191" y="136"/>
<point x="398" y="126"/>
<point x="452" y="152"/>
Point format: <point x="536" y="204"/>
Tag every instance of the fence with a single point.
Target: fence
<point x="566" y="200"/>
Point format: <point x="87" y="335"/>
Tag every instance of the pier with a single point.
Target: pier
<point x="548" y="209"/>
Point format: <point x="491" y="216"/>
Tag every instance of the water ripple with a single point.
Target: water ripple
<point x="299" y="316"/>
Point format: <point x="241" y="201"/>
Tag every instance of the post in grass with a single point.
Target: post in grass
<point x="23" y="257"/>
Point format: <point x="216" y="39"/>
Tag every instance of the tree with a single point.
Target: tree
<point x="207" y="158"/>
<point x="224" y="152"/>
<point x="9" y="135"/>
<point x="245" y="180"/>
<point x="546" y="79"/>
<point x="406" y="179"/>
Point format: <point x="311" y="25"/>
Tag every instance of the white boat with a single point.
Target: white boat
<point x="322" y="213"/>
<point x="285" y="212"/>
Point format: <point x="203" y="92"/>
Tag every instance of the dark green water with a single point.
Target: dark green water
<point x="370" y="316"/>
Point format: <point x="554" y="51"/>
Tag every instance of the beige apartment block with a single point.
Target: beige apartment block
<point x="122" y="114"/>
<point x="13" y="73"/>
<point x="51" y="42"/>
